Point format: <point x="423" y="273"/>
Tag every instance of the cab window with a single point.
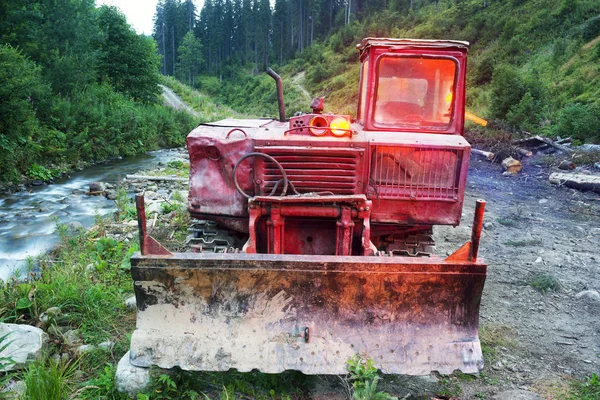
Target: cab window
<point x="414" y="91"/>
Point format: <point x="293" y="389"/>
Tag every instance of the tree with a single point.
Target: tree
<point x="128" y="61"/>
<point x="190" y="57"/>
<point x="21" y="91"/>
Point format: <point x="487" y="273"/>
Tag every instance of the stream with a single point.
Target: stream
<point x="28" y="219"/>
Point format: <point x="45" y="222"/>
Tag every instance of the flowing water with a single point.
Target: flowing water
<point x="28" y="219"/>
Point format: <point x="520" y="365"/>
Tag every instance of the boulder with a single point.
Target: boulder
<point x="96" y="187"/>
<point x="590" y="296"/>
<point x="129" y="378"/>
<point x="85" y="348"/>
<point x="24" y="343"/>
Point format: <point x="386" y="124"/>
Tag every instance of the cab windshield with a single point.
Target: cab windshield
<point x="416" y="92"/>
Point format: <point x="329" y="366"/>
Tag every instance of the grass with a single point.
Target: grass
<point x="544" y="282"/>
<point x="586" y="390"/>
<point x="494" y="336"/>
<point x="49" y="380"/>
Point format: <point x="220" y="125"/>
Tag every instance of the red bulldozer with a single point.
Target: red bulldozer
<point x="314" y="234"/>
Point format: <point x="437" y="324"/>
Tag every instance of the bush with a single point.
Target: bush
<point x="507" y="89"/>
<point x="591" y="29"/>
<point x="525" y="114"/>
<point x="581" y="121"/>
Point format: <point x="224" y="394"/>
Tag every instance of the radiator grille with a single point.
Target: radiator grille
<point x="415" y="173"/>
<point x="311" y="170"/>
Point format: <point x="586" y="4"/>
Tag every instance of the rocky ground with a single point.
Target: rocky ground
<point x="540" y="325"/>
<point x="540" y="310"/>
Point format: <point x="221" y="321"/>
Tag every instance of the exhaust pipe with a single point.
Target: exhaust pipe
<point x="277" y="78"/>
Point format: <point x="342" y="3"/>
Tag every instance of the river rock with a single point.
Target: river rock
<point x="24" y="343"/>
<point x="97" y="187"/>
<point x="37" y="182"/>
<point x="155" y="207"/>
<point x="590" y="296"/>
<point x="129" y="378"/>
<point x="74" y="227"/>
<point x="517" y="395"/>
<point x="85" y="348"/>
<point x="108" y="345"/>
<point x="21" y="188"/>
<point x="111" y="194"/>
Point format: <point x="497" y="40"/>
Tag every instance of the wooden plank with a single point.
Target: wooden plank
<point x="576" y="181"/>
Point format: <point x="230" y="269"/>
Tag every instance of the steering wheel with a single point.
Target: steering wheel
<point x="268" y="157"/>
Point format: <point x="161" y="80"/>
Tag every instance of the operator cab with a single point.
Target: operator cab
<point x="412" y="85"/>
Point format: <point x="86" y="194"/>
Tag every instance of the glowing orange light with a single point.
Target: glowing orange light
<point x="340" y="126"/>
<point x="318" y="126"/>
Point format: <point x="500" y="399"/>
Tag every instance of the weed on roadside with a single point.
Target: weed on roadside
<point x="49" y="380"/>
<point x="363" y="376"/>
<point x="544" y="282"/>
<point x="586" y="390"/>
<point x="494" y="336"/>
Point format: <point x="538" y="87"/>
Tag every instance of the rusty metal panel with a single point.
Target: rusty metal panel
<point x="312" y="169"/>
<point x="307" y="313"/>
<point x="415" y="173"/>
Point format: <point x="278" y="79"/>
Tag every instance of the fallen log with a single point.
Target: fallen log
<point x="564" y="141"/>
<point x="549" y="142"/>
<point x="523" y="152"/>
<point x="486" y="154"/>
<point x="576" y="181"/>
<point x="155" y="178"/>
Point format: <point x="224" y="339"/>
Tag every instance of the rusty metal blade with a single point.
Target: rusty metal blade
<point x="308" y="313"/>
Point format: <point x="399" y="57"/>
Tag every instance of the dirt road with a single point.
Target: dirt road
<point x="536" y="235"/>
<point x="175" y="101"/>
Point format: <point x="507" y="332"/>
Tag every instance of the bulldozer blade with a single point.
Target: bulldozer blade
<point x="213" y="312"/>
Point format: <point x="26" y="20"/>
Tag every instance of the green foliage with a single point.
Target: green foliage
<point x="587" y="390"/>
<point x="581" y="121"/>
<point x="102" y="386"/>
<point x="128" y="61"/>
<point x="5" y="360"/>
<point x="507" y="90"/>
<point x="36" y="171"/>
<point x="591" y="29"/>
<point x="190" y="58"/>
<point x="49" y="380"/>
<point x="21" y="91"/>
<point x="364" y="378"/>
<point x="77" y="85"/>
<point x="544" y="283"/>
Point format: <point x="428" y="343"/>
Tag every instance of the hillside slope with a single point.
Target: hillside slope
<point x="534" y="64"/>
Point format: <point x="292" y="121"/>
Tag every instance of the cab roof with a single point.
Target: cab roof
<point x="410" y="43"/>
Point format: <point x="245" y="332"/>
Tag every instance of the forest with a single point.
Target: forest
<point x="534" y="64"/>
<point x="78" y="85"/>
